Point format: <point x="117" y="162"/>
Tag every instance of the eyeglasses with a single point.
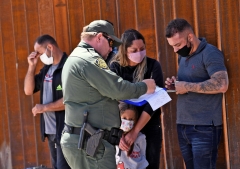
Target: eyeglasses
<point x="110" y="41"/>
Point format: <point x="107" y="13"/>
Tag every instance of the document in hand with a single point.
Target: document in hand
<point x="156" y="99"/>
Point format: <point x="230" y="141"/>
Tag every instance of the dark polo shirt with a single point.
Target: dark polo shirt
<point x="196" y="108"/>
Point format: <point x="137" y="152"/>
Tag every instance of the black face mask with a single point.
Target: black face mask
<point x="184" y="51"/>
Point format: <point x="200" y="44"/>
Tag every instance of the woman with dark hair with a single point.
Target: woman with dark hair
<point x="132" y="64"/>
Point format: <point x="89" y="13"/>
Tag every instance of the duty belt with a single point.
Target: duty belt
<point x="76" y="130"/>
<point x="94" y="135"/>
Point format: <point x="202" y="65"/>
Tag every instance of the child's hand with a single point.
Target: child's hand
<point x="123" y="145"/>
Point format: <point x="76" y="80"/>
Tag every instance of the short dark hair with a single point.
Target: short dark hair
<point x="124" y="106"/>
<point x="177" y="26"/>
<point x="42" y="40"/>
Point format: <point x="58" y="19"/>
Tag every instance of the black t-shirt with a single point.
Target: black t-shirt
<point x="154" y="70"/>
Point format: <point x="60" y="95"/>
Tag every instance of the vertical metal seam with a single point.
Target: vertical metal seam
<point x="118" y="19"/>
<point x="99" y="8"/>
<point x="162" y="112"/>
<point x="174" y="9"/>
<point x="163" y="139"/>
<point x="54" y="25"/>
<point x="195" y="16"/>
<point x="158" y="58"/>
<point x="136" y="18"/>
<point x="14" y="42"/>
<point x="225" y="133"/>
<point x="69" y="28"/>
<point x="224" y="113"/>
<point x="39" y="18"/>
<point x="19" y="93"/>
<point x="26" y="26"/>
<point x="83" y="14"/>
<point x="6" y="101"/>
<point x="34" y="120"/>
<point x="175" y="16"/>
<point x="164" y="21"/>
<point x="218" y="25"/>
<point x="156" y="32"/>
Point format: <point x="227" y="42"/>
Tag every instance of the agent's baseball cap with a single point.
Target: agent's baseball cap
<point x="106" y="27"/>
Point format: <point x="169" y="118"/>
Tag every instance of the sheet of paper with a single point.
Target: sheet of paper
<point x="146" y="96"/>
<point x="159" y="99"/>
<point x="156" y="99"/>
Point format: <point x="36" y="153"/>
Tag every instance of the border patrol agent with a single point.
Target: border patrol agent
<point x="89" y="86"/>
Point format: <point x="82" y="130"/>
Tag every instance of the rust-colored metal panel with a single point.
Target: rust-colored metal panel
<point x="184" y="9"/>
<point x="46" y="17"/>
<point x="21" y="51"/>
<point x="62" y="35"/>
<point x="5" y="149"/>
<point x="207" y="27"/>
<point x="11" y="79"/>
<point x="47" y="26"/>
<point x="108" y="12"/>
<point x="29" y="126"/>
<point x="172" y="156"/>
<point x="230" y="26"/>
<point x="126" y="15"/>
<point x="146" y="25"/>
<point x="91" y="10"/>
<point x="75" y="21"/>
<point x="162" y="12"/>
<point x="40" y="153"/>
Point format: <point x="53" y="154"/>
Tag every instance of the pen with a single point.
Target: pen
<point x="151" y="75"/>
<point x="169" y="91"/>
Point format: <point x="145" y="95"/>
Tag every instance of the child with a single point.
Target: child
<point x="135" y="158"/>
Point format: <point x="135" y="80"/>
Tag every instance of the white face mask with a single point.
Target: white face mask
<point x="126" y="125"/>
<point x="45" y="59"/>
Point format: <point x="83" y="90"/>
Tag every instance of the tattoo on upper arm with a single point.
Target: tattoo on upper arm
<point x="217" y="80"/>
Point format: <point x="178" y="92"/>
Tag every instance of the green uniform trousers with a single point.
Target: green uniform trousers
<point x="78" y="159"/>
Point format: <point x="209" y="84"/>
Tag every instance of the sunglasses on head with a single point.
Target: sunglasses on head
<point x="110" y="41"/>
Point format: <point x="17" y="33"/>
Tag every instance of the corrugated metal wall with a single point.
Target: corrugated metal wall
<point x="22" y="21"/>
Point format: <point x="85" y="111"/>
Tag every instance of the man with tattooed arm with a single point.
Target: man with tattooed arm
<point x="201" y="81"/>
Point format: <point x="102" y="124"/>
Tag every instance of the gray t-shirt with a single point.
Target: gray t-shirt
<point x="49" y="117"/>
<point x="137" y="159"/>
<point x="196" y="108"/>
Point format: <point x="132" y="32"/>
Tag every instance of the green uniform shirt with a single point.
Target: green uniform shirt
<point x="89" y="85"/>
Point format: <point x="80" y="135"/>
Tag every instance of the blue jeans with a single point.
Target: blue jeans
<point x="57" y="158"/>
<point x="199" y="145"/>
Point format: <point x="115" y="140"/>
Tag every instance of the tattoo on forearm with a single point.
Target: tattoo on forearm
<point x="217" y="80"/>
<point x="190" y="87"/>
<point x="215" y="83"/>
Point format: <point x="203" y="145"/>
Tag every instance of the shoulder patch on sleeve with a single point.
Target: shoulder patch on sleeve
<point x="101" y="63"/>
